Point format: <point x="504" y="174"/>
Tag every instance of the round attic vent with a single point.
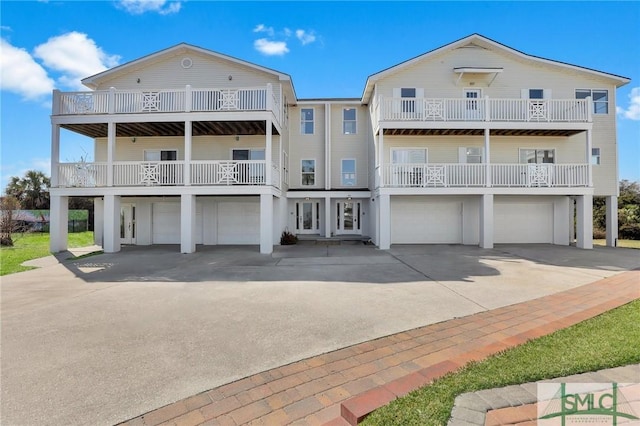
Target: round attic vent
<point x="187" y="63"/>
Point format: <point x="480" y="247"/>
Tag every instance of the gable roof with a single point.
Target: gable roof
<point x="482" y="41"/>
<point x="92" y="81"/>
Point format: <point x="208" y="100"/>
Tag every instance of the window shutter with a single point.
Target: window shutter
<point x="546" y="93"/>
<point x="420" y="92"/>
<point x="524" y="93"/>
<point x="395" y="106"/>
<point x="462" y="155"/>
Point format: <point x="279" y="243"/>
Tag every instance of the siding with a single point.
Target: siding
<point x="349" y="146"/>
<point x="307" y="146"/>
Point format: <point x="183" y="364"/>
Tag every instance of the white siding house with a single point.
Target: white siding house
<point x="471" y="143"/>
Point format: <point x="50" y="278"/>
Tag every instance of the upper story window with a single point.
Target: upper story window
<point x="471" y="155"/>
<point x="595" y="156"/>
<point x="349" y="121"/>
<point x="536" y="93"/>
<point x="600" y="99"/>
<point x="537" y="156"/>
<point x="408" y="95"/>
<point x="348" y="172"/>
<point x="409" y="155"/>
<point x="308" y="172"/>
<point x="306" y="121"/>
<point x="247" y="154"/>
<point x="160" y="155"/>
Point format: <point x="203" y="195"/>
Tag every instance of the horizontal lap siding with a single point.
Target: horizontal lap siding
<point x="349" y="146"/>
<point x="307" y="146"/>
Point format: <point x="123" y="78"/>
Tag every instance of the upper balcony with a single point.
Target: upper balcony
<point x="570" y="114"/>
<point x="113" y="101"/>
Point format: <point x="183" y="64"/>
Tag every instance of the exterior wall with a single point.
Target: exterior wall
<point x="349" y="146"/>
<point x="307" y="147"/>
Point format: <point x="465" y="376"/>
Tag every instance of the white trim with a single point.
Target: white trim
<point x="355" y="172"/>
<point x="554" y="149"/>
<point x="414" y="148"/>
<point x="593" y="111"/>
<point x="313" y="121"/>
<point x="315" y="172"/>
<point x="355" y="120"/>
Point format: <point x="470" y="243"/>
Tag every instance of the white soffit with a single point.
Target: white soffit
<point x="477" y="70"/>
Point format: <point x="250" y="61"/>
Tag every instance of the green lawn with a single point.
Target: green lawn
<point x="32" y="246"/>
<point x="608" y="340"/>
<point x="621" y="243"/>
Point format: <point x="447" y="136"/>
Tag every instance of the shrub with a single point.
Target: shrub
<point x="288" y="238"/>
<point x="599" y="234"/>
<point x="629" y="232"/>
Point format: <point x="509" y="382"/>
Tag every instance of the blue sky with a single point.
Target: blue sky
<point x="329" y="49"/>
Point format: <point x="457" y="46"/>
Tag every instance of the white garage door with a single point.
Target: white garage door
<point x="523" y="222"/>
<point x="238" y="222"/>
<point x="166" y="223"/>
<point x="416" y="221"/>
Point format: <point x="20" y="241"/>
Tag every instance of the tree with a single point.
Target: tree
<point x="628" y="211"/>
<point x="8" y="223"/>
<point x="31" y="191"/>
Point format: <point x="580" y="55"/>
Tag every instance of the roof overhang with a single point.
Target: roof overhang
<point x="461" y="71"/>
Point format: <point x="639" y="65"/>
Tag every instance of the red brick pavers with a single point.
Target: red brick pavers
<point x="343" y="386"/>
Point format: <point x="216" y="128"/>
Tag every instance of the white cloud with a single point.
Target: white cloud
<point x="76" y="56"/>
<point x="261" y="28"/>
<point x="632" y="112"/>
<point x="305" y="37"/>
<point x="5" y="28"/>
<point x="270" y="48"/>
<point x="138" y="7"/>
<point x="22" y="74"/>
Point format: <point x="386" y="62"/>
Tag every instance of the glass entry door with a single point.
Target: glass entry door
<point x="348" y="217"/>
<point x="127" y="224"/>
<point x="308" y="217"/>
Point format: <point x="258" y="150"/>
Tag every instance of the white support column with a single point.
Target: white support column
<point x="588" y="158"/>
<point x="55" y="154"/>
<point x="187" y="223"/>
<point x="612" y="221"/>
<point x="572" y="220"/>
<point x="58" y="222"/>
<point x="486" y="221"/>
<point x="280" y="161"/>
<point x="487" y="156"/>
<point x="381" y="157"/>
<point x="584" y="221"/>
<point x="111" y="149"/>
<point x="268" y="154"/>
<point x="385" y="222"/>
<point x="266" y="223"/>
<point x="327" y="146"/>
<point x="111" y="237"/>
<point x="327" y="217"/>
<point x="188" y="126"/>
<point x="98" y="221"/>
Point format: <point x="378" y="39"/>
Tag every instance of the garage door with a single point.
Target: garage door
<point x="523" y="222"/>
<point x="238" y="223"/>
<point x="166" y="223"/>
<point x="416" y="221"/>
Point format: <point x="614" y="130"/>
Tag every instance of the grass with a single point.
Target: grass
<point x="608" y="340"/>
<point x="635" y="244"/>
<point x="32" y="246"/>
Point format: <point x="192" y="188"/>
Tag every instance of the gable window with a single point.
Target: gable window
<point x="348" y="172"/>
<point x="349" y="121"/>
<point x="306" y="121"/>
<point x="600" y="99"/>
<point x="408" y="95"/>
<point x="308" y="172"/>
<point x="537" y="156"/>
<point x="595" y="156"/>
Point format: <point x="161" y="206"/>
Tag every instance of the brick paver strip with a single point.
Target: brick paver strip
<point x="358" y="379"/>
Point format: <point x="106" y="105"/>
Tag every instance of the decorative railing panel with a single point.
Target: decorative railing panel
<point x="433" y="175"/>
<point x="540" y="175"/>
<point x="248" y="172"/>
<point x="148" y="173"/>
<point x="82" y="175"/>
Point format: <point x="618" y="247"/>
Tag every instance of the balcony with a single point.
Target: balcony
<point x="484" y="109"/>
<point x="167" y="173"/>
<point x="112" y="101"/>
<point x="475" y="175"/>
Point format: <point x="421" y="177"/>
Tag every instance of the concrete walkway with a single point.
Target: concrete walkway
<point x="106" y="338"/>
<point x="343" y="386"/>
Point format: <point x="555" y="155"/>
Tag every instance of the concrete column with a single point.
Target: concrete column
<point x="268" y="154"/>
<point x="187" y="152"/>
<point x="111" y="149"/>
<point x="98" y="221"/>
<point x="487" y="156"/>
<point x="612" y="221"/>
<point x="111" y="238"/>
<point x="266" y="223"/>
<point x="588" y="158"/>
<point x="58" y="223"/>
<point x="327" y="217"/>
<point x="381" y="157"/>
<point x="584" y="221"/>
<point x="187" y="223"/>
<point x="385" y="222"/>
<point x="486" y="221"/>
<point x="55" y="154"/>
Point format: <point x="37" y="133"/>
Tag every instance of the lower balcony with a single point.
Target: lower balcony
<point x="477" y="175"/>
<point x="167" y="173"/>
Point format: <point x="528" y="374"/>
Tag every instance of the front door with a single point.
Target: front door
<point x="127" y="224"/>
<point x="473" y="109"/>
<point x="348" y="217"/>
<point x="308" y="217"/>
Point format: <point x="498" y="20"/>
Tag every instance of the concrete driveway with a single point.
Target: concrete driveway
<point x="109" y="337"/>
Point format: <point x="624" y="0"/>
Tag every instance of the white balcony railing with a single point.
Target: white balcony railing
<point x="168" y="100"/>
<point x="167" y="173"/>
<point x="483" y="109"/>
<point x="475" y="175"/>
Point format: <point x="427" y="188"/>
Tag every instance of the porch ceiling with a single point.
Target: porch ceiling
<point x="480" y="132"/>
<point x="199" y="128"/>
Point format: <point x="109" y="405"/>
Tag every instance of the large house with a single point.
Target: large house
<point x="471" y="143"/>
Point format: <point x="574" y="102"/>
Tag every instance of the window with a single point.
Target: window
<point x="595" y="156"/>
<point x="348" y="172"/>
<point x="308" y="172"/>
<point x="247" y="154"/>
<point x="349" y="121"/>
<point x="536" y="94"/>
<point x="408" y="105"/>
<point x="161" y="155"/>
<point x="537" y="156"/>
<point x="473" y="155"/>
<point x="409" y="156"/>
<point x="306" y="121"/>
<point x="600" y="99"/>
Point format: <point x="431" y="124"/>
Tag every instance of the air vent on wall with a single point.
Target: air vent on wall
<point x="186" y="63"/>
